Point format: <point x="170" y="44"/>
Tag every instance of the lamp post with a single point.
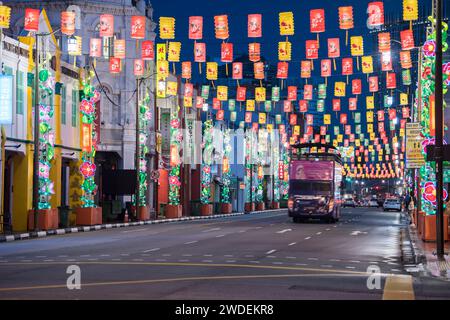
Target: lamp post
<point x="36" y="137"/>
<point x="138" y="151"/>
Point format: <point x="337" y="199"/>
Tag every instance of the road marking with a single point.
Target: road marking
<point x="231" y="261"/>
<point x="41" y="256"/>
<point x="313" y="259"/>
<point x="151" y="250"/>
<point x="93" y="259"/>
<point x="49" y="260"/>
<point x="398" y="287"/>
<point x="270" y="251"/>
<point x="357" y="232"/>
<point x="187" y="255"/>
<point x="161" y="260"/>
<point x="284" y="231"/>
<point x="326" y="266"/>
<point x="355" y="261"/>
<point x="253" y="261"/>
<point x="207" y="255"/>
<point x="335" y="260"/>
<point x="271" y="257"/>
<point x="327" y="229"/>
<point x="135" y="230"/>
<point x="116" y="259"/>
<point x="210" y="230"/>
<point x="350" y="267"/>
<point x="242" y="231"/>
<point x="85" y="255"/>
<point x="220" y="236"/>
<point x="229" y="255"/>
<point x="301" y="264"/>
<point x="70" y="260"/>
<point x="62" y="256"/>
<point x="292" y="243"/>
<point x="191" y="242"/>
<point x="291" y="258"/>
<point x="307" y="238"/>
<point x="125" y="254"/>
<point x="104" y="255"/>
<point x="183" y="260"/>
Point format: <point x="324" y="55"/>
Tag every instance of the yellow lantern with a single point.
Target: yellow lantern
<point x="161" y="87"/>
<point x="211" y="70"/>
<point x="161" y="51"/>
<point x="174" y="52"/>
<point x="222" y="93"/>
<point x="370" y="128"/>
<point x="172" y="88"/>
<point x="260" y="94"/>
<point x="74" y="46"/>
<point x="262" y="118"/>
<point x="187" y="101"/>
<point x="369" y="116"/>
<point x="326" y="119"/>
<point x="410" y="10"/>
<point x="162" y="69"/>
<point x="403" y="99"/>
<point x="339" y="89"/>
<point x="284" y="51"/>
<point x="5" y="15"/>
<point x="167" y="28"/>
<point x="367" y="64"/>
<point x="286" y="23"/>
<point x="357" y="46"/>
<point x="370" y="104"/>
<point x="250" y="105"/>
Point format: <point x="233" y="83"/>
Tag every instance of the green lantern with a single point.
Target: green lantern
<point x="275" y="93"/>
<point x="322" y="91"/>
<point x="267" y="106"/>
<point x="205" y="92"/>
<point x="320" y="105"/>
<point x="406" y="77"/>
<point x="43" y="75"/>
<point x="231" y="104"/>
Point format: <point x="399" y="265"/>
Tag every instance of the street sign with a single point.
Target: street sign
<point x="414" y="156"/>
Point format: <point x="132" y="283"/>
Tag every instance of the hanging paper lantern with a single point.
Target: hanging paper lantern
<point x="106" y="25"/>
<point x="211" y="70"/>
<point x="305" y="69"/>
<point x="260" y="94"/>
<point x="367" y="64"/>
<point x="375" y="10"/>
<point x="356" y="46"/>
<point x="68" y="23"/>
<point x="391" y="80"/>
<point x="286" y="20"/>
<point x="241" y="93"/>
<point x="147" y="50"/>
<point x="370" y="103"/>
<point x="343" y="118"/>
<point x="327" y="119"/>
<point x="317" y="20"/>
<point x="195" y="27"/>
<point x="226" y="52"/>
<point x="258" y="69"/>
<point x="200" y="52"/>
<point x="284" y="51"/>
<point x="172" y="88"/>
<point x="138" y="67"/>
<point x="174" y="51"/>
<point x="186" y="70"/>
<point x="293" y="119"/>
<point x="119" y="48"/>
<point x="222" y="93"/>
<point x="237" y="73"/>
<point x="347" y="66"/>
<point x="31" y="20"/>
<point x="95" y="47"/>
<point x="407" y="39"/>
<point x="5" y="15"/>
<point x="254" y="26"/>
<point x="380" y="115"/>
<point x="386" y="61"/>
<point x="346" y="18"/>
<point x="221" y="27"/>
<point x="254" y="51"/>
<point x="410" y="10"/>
<point x="303" y="105"/>
<point x="325" y="68"/>
<point x="74" y="46"/>
<point x="292" y="93"/>
<point x="282" y="70"/>
<point x="406" y="77"/>
<point x="162" y="69"/>
<point x="336" y="104"/>
<point x="287" y="106"/>
<point x="114" y="65"/>
<point x="352" y="104"/>
<point x="405" y="59"/>
<point x="308" y="92"/>
<point x="384" y="42"/>
<point x="356" y="86"/>
<point x="405" y="112"/>
<point x="339" y="89"/>
<point x="312" y="49"/>
<point x="392" y="114"/>
<point x="138" y="27"/>
<point x="322" y="91"/>
<point x="275" y="94"/>
<point x="167" y="28"/>
<point x="333" y="48"/>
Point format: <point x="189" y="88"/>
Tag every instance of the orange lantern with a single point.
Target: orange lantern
<point x="199" y="52"/>
<point x="356" y="86"/>
<point x="292" y="93"/>
<point x="287" y="106"/>
<point x="237" y="70"/>
<point x="303" y="106"/>
<point x="195" y="27"/>
<point x="119" y="48"/>
<point x="405" y="59"/>
<point x="148" y="50"/>
<point x="31" y="21"/>
<point x="114" y="65"/>
<point x="375" y="10"/>
<point x="186" y="70"/>
<point x="352" y="104"/>
<point x="254" y="51"/>
<point x="221" y="27"/>
<point x="95" y="47"/>
<point x="226" y="52"/>
<point x="86" y="138"/>
<point x="167" y="28"/>
<point x="317" y="21"/>
<point x="293" y="119"/>
<point x="106" y="25"/>
<point x="334" y="50"/>
<point x="282" y="70"/>
<point x="258" y="68"/>
<point x="346" y="20"/>
<point x="407" y="39"/>
<point x="343" y="118"/>
<point x="308" y="92"/>
<point x="305" y="69"/>
<point x="248" y="117"/>
<point x="347" y="66"/>
<point x="286" y="21"/>
<point x="138" y="27"/>
<point x="384" y="42"/>
<point x="138" y="67"/>
<point x="312" y="49"/>
<point x="254" y="26"/>
<point x="189" y="90"/>
<point x="373" y="84"/>
<point x="68" y="22"/>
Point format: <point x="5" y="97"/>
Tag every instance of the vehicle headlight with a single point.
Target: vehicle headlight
<point x="290" y="204"/>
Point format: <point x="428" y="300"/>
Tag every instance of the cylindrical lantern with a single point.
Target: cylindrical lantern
<point x="346" y="18"/>
<point x="282" y="70"/>
<point x="5" y="15"/>
<point x="74" y="46"/>
<point x="375" y="10"/>
<point x="237" y="70"/>
<point x="221" y="27"/>
<point x="186" y="70"/>
<point x="114" y="65"/>
<point x="254" y="27"/>
<point x="106" y="25"/>
<point x="95" y="47"/>
<point x="147" y="50"/>
<point x="31" y="21"/>
<point x="138" y="27"/>
<point x="258" y="68"/>
<point x="200" y="52"/>
<point x="254" y="51"/>
<point x="226" y="52"/>
<point x="68" y="22"/>
<point x="195" y="27"/>
<point x="138" y="67"/>
<point x="166" y="28"/>
<point x="119" y="48"/>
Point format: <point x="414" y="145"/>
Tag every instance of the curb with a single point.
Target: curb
<point x="53" y="232"/>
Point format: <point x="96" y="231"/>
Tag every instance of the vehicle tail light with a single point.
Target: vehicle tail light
<point x="290" y="203"/>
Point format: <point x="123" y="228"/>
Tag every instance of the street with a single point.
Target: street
<point x="256" y="256"/>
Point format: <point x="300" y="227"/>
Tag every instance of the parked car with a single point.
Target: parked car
<point x="349" y="203"/>
<point x="392" y="204"/>
<point x="373" y="203"/>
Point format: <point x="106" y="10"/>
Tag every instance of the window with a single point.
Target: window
<point x="8" y="70"/>
<point x="19" y="92"/>
<point x="63" y="104"/>
<point x="74" y="107"/>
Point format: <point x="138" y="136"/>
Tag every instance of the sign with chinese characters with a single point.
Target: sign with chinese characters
<point x="414" y="156"/>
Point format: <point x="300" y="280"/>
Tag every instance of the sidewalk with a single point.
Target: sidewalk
<point x="40" y="234"/>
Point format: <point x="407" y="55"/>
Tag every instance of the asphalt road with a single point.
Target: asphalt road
<point x="256" y="256"/>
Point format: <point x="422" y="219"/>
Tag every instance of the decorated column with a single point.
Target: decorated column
<point x="225" y="197"/>
<point x="206" y="205"/>
<point x="248" y="178"/>
<point x="260" y="162"/>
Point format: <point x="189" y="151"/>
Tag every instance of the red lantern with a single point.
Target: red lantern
<point x="220" y="115"/>
<point x="68" y="23"/>
<point x="391" y="80"/>
<point x="317" y="20"/>
<point x="254" y="27"/>
<point x="405" y="112"/>
<point x="336" y="104"/>
<point x="373" y="83"/>
<point x="237" y="70"/>
<point x="407" y="39"/>
<point x="138" y="27"/>
<point x="254" y="51"/>
<point x="325" y="68"/>
<point x="346" y="18"/>
<point x="199" y="52"/>
<point x="195" y="27"/>
<point x="375" y="10"/>
<point x="392" y="113"/>
<point x="405" y="59"/>
<point x="303" y="105"/>
<point x="95" y="47"/>
<point x="221" y="27"/>
<point x="148" y="50"/>
<point x="352" y="104"/>
<point x="381" y="127"/>
<point x="312" y="49"/>
<point x="308" y="92"/>
<point x="348" y="129"/>
<point x="309" y="119"/>
<point x="323" y="130"/>
<point x="347" y="66"/>
<point x="248" y="117"/>
<point x="292" y="93"/>
<point x="343" y="118"/>
<point x="138" y="67"/>
<point x="380" y="115"/>
<point x="282" y="70"/>
<point x="114" y="65"/>
<point x="305" y="69"/>
<point x="226" y="52"/>
<point x="356" y="86"/>
<point x="186" y="70"/>
<point x="293" y="119"/>
<point x="334" y="50"/>
<point x="287" y="106"/>
<point x="241" y="93"/>
<point x="216" y="104"/>
<point x="31" y="21"/>
<point x="106" y="25"/>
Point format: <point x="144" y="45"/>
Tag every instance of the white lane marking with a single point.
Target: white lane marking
<point x="272" y="257"/>
<point x="357" y="232"/>
<point x="395" y="270"/>
<point x="355" y="261"/>
<point x="49" y="260"/>
<point x="307" y="238"/>
<point x="292" y="243"/>
<point x="229" y="255"/>
<point x="124" y="254"/>
<point x="85" y="255"/>
<point x="191" y="242"/>
<point x="301" y="264"/>
<point x="220" y="236"/>
<point x="334" y="226"/>
<point x="257" y="228"/>
<point x="213" y="229"/>
<point x="277" y="262"/>
<point x="208" y="261"/>
<point x="318" y="233"/>
<point x="373" y="262"/>
<point x="92" y="259"/>
<point x="291" y="257"/>
<point x="70" y="260"/>
<point x="270" y="251"/>
<point x="284" y="231"/>
<point x="166" y="255"/>
<point x="350" y="267"/>
<point x="135" y="230"/>
<point x="327" y="229"/>
<point x="253" y="261"/>
<point x="326" y="265"/>
<point x="187" y="255"/>
<point x="230" y="261"/>
<point x="313" y="259"/>
<point x="335" y="260"/>
<point x="151" y="250"/>
<point x="104" y="255"/>
<point x="116" y="259"/>
<point x="25" y="260"/>
<point x="41" y="256"/>
<point x="183" y="260"/>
